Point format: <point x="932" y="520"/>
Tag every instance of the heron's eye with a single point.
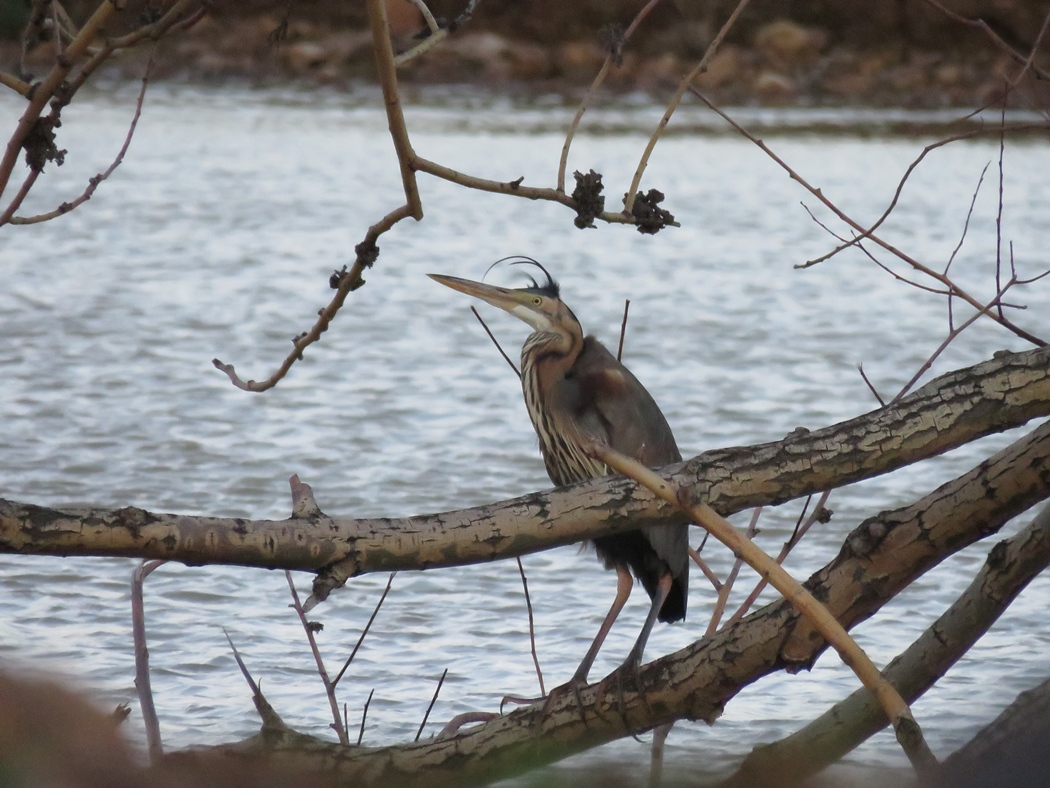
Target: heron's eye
<point x="537" y="301"/>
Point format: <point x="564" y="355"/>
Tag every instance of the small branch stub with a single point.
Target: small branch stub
<point x="304" y="506"/>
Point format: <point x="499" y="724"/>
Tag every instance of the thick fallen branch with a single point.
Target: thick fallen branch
<point x="1011" y="565"/>
<point x="952" y="410"/>
<point x="908" y="731"/>
<point x="697" y="681"/>
<point x="1009" y="751"/>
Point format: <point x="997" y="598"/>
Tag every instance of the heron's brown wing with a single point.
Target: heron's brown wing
<point x="632" y="421"/>
<point x="615" y="406"/>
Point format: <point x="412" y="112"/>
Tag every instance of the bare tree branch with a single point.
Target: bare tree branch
<point x="950" y="411"/>
<point x="1011" y="565"/>
<point x="880" y="557"/>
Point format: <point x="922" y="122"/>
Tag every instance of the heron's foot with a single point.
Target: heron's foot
<point x="573" y="685"/>
<point x="626" y="676"/>
<point x="518" y="701"/>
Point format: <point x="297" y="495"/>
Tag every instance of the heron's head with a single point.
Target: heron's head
<point x="539" y="304"/>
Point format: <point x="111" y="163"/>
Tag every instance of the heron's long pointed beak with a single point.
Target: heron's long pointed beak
<point x="502" y="297"/>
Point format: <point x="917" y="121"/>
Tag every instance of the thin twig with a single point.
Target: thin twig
<point x="708" y="572"/>
<point x="871" y="387"/>
<point x="999" y="209"/>
<point x="656" y="754"/>
<point x="422" y="47"/>
<point x="431" y="706"/>
<point x="966" y="224"/>
<point x="428" y="17"/>
<point x="364" y="716"/>
<point x="20" y="196"/>
<point x="532" y="628"/>
<point x="802" y="526"/>
<point x="387" y="72"/>
<point x="20" y="86"/>
<point x="623" y="329"/>
<point x="56" y="30"/>
<point x="495" y="342"/>
<point x="271" y="720"/>
<point x="364" y="632"/>
<point x="252" y="684"/>
<point x="980" y="24"/>
<point x="142" y="678"/>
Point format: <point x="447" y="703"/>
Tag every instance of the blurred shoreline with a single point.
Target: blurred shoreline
<point x="830" y="57"/>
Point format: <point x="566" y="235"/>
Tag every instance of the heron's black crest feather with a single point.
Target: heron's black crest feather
<point x="550" y="286"/>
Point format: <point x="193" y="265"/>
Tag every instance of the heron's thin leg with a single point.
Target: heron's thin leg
<point x="624" y="584"/>
<point x="662" y="590"/>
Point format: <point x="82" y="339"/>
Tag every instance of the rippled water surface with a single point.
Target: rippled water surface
<point x="216" y="238"/>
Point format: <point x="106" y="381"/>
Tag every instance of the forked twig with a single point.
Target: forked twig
<point x="980" y="24"/>
<point x="915" y="264"/>
<point x="727" y="587"/>
<point x="597" y="83"/>
<point x="437" y="36"/>
<point x="93" y="182"/>
<point x="364" y="632"/>
<point x="532" y="627"/>
<point x="329" y="686"/>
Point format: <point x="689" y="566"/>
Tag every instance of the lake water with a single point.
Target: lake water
<point x="216" y="239"/>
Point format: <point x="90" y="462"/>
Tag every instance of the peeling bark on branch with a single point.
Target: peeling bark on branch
<point x="1010" y="566"/>
<point x="697" y="681"/>
<point x="950" y="411"/>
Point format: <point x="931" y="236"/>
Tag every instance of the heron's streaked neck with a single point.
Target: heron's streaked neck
<point x="555" y="350"/>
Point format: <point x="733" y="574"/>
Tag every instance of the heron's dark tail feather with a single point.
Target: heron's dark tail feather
<point x="674" y="606"/>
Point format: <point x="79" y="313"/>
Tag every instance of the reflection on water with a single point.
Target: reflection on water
<point x="216" y="238"/>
